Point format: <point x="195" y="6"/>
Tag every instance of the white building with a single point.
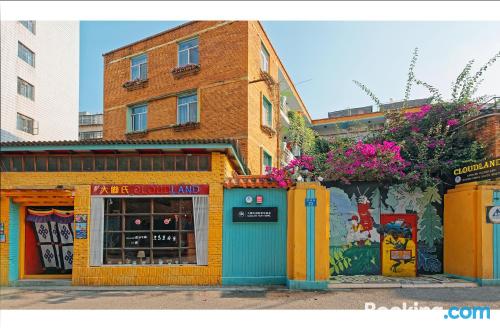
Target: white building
<point x="39" y="80"/>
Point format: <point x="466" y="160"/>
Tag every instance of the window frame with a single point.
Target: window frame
<point x="188" y="104"/>
<point x="264" y="153"/>
<point x="151" y="231"/>
<point x="265" y="115"/>
<point x="30" y="25"/>
<point x="145" y="56"/>
<point x="264" y="55"/>
<point x="131" y="115"/>
<point x="23" y="118"/>
<point x="20" y="83"/>
<point x="23" y="49"/>
<point x="188" y="52"/>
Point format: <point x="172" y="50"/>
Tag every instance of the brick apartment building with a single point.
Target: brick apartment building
<point x="202" y="80"/>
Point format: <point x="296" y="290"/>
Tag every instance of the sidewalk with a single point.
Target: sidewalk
<point x="382" y="282"/>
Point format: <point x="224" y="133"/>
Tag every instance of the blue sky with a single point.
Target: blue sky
<point x="328" y="55"/>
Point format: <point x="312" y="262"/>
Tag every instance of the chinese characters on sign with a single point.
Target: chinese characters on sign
<point x="127" y="189"/>
<point x="255" y="214"/>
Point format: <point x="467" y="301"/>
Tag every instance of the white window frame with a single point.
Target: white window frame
<point x="25" y="54"/>
<point x="28" y="87"/>
<point x="30" y="25"/>
<point x="138" y="115"/>
<point x="264" y="58"/>
<point x="188" y="53"/>
<point x="139" y="66"/>
<point x="187" y="105"/>
<point x="265" y="101"/>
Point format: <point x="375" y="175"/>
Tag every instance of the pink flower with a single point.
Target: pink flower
<point x="425" y="108"/>
<point x="452" y="122"/>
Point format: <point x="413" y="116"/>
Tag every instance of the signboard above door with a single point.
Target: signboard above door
<point x="485" y="170"/>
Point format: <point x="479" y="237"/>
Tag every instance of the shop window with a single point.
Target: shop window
<point x="5" y="162"/>
<point x="29" y="163"/>
<point x="192" y="163"/>
<point x="100" y="164"/>
<point x="180" y="163"/>
<point x="63" y="163"/>
<point x="146" y="163"/>
<point x="111" y="163"/>
<point x="76" y="164"/>
<point x="17" y="163"/>
<point x="142" y="231"/>
<point x="123" y="164"/>
<point x="53" y="164"/>
<point x="169" y="163"/>
<point x="88" y="164"/>
<point x="41" y="163"/>
<point x="203" y="163"/>
<point x="157" y="163"/>
<point x="135" y="163"/>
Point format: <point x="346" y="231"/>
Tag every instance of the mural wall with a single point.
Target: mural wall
<point x="355" y="225"/>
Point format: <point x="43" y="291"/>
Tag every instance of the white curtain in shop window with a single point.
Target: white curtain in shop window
<point x="96" y="231"/>
<point x="200" y="209"/>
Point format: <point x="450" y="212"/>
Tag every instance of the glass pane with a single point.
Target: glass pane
<point x="157" y="163"/>
<point x="41" y="163"/>
<point x="112" y="239"/>
<point x="144" y="71"/>
<point x="138" y="205"/>
<point x="139" y="59"/>
<point x="186" y="205"/>
<point x="193" y="112"/>
<point x="187" y="240"/>
<point x="146" y="163"/>
<point x="112" y="223"/>
<point x="17" y="163"/>
<point x="137" y="222"/>
<point x="188" y="256"/>
<point x="193" y="56"/>
<point x="203" y="163"/>
<point x="192" y="162"/>
<point x="186" y="221"/>
<point x="162" y="257"/>
<point x="183" y="58"/>
<point x="137" y="257"/>
<point x="111" y="163"/>
<point x="29" y="163"/>
<point x="182" y="113"/>
<point x="135" y="163"/>
<point x="5" y="163"/>
<point x="52" y="163"/>
<point x="187" y="44"/>
<point x="76" y="164"/>
<point x="113" y="205"/>
<point x="88" y="164"/>
<point x="100" y="163"/>
<point x="166" y="205"/>
<point x="188" y="99"/>
<point x="63" y="163"/>
<point x="113" y="257"/>
<point x="180" y="163"/>
<point x="123" y="163"/>
<point x="137" y="239"/>
<point x="165" y="239"/>
<point x="165" y="222"/>
<point x="169" y="163"/>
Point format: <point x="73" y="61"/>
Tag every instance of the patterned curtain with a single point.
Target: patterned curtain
<point x="200" y="210"/>
<point x="54" y="234"/>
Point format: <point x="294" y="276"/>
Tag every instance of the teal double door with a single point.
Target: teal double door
<point x="254" y="249"/>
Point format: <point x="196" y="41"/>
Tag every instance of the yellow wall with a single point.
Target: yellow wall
<point x="297" y="242"/>
<point x="468" y="239"/>
<point x="83" y="274"/>
<point x="4" y="247"/>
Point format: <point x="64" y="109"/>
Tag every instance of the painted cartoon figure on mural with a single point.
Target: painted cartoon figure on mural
<point x="398" y="248"/>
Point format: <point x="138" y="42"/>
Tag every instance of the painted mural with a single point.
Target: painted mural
<point x="355" y="226"/>
<point x="398" y="240"/>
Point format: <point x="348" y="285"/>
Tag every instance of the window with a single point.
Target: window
<point x="188" y="52"/>
<point x="267" y="112"/>
<point x="30" y="25"/>
<point x="142" y="231"/>
<point x="267" y="161"/>
<point x="90" y="119"/>
<point x="139" y="67"/>
<point x="90" y="135"/>
<point x="85" y="162"/>
<point x="187" y="109"/>
<point x="25" y="124"/>
<point x="138" y="118"/>
<point x="25" y="89"/>
<point x="264" y="59"/>
<point x="26" y="54"/>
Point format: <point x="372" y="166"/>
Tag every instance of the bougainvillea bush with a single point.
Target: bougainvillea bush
<point x="366" y="161"/>
<point x="298" y="168"/>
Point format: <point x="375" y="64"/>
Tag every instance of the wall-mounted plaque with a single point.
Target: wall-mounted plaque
<point x="255" y="214"/>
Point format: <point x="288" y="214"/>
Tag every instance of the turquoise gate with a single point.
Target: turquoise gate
<point x="254" y="251"/>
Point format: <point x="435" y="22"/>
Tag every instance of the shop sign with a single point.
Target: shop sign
<point x="488" y="169"/>
<point x="493" y="214"/>
<point x="311" y="202"/>
<point x="255" y="214"/>
<point x="81" y="226"/>
<point x="150" y="189"/>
